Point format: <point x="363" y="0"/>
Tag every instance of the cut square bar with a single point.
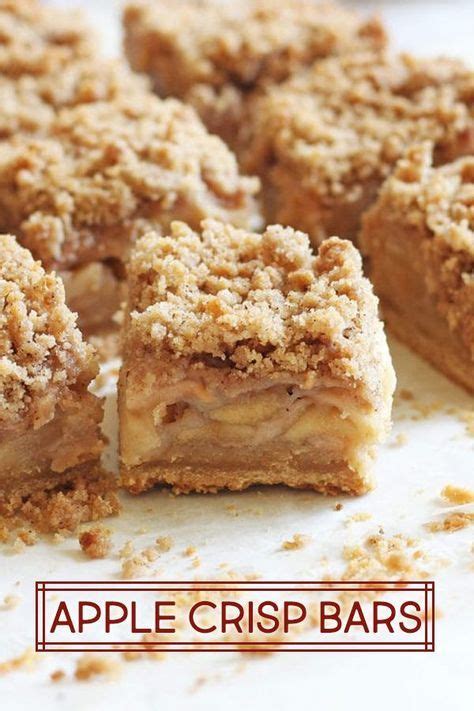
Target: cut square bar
<point x="324" y="141"/>
<point x="214" y="55"/>
<point x="248" y="360"/>
<point x="419" y="240"/>
<point x="49" y="422"/>
<point x="106" y="173"/>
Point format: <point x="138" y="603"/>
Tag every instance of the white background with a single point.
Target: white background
<point x="248" y="539"/>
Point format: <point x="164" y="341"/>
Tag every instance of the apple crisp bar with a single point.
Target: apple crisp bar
<point x="324" y="141"/>
<point x="49" y="423"/>
<point x="213" y="54"/>
<point x="419" y="239"/>
<point x="78" y="197"/>
<point x="248" y="360"/>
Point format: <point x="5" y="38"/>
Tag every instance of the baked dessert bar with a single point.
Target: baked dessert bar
<point x="213" y="54"/>
<point x="419" y="239"/>
<point x="78" y="198"/>
<point x="49" y="423"/>
<point x="247" y="360"/>
<point x="324" y="141"/>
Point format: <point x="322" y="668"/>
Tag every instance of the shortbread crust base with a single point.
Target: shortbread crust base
<point x="183" y="479"/>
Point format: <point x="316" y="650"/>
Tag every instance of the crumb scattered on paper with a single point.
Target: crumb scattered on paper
<point x="298" y="540"/>
<point x="452" y="522"/>
<point x="89" y="666"/>
<point x="96" y="541"/>
<point x="457" y="495"/>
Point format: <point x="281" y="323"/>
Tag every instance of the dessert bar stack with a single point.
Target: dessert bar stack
<point x="251" y="354"/>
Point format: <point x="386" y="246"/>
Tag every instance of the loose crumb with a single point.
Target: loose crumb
<point x="164" y="543"/>
<point x="400" y="440"/>
<point x="10" y="602"/>
<point x="299" y="540"/>
<point x="24" y="661"/>
<point x="135" y="567"/>
<point x="189" y="551"/>
<point x="452" y="522"/>
<point x="359" y="516"/>
<point x="338" y="507"/>
<point x="89" y="666"/>
<point x="57" y="675"/>
<point x="95" y="542"/>
<point x="457" y="494"/>
<point x="127" y="550"/>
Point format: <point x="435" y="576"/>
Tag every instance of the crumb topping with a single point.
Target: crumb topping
<point x="256" y="303"/>
<point x="37" y="39"/>
<point x="111" y="165"/>
<point x="29" y="102"/>
<point x="41" y="350"/>
<point x="348" y="119"/>
<point x="205" y="42"/>
<point x="439" y="204"/>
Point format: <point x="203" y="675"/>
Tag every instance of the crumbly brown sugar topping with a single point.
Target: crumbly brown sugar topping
<point x="108" y="164"/>
<point x="29" y="102"/>
<point x="36" y="39"/>
<point x="260" y="303"/>
<point x="41" y="350"/>
<point x="243" y="42"/>
<point x="349" y="118"/>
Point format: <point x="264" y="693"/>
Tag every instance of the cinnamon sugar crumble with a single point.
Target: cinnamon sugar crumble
<point x="96" y="541"/>
<point x="42" y="353"/>
<point x="260" y="303"/>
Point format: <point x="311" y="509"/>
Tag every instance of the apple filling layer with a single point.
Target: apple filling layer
<point x="311" y="430"/>
<point x="38" y="459"/>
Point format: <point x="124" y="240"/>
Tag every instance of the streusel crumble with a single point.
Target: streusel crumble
<point x="36" y="39"/>
<point x="419" y="238"/>
<point x="249" y="360"/>
<point x="213" y="54"/>
<point x="324" y="141"/>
